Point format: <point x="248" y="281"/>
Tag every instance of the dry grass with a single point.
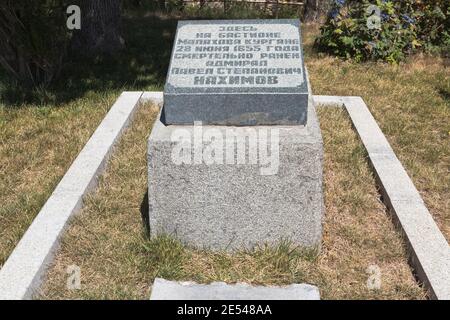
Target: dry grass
<point x="117" y="261"/>
<point x="37" y="145"/>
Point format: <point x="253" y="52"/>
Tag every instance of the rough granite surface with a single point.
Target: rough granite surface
<point x="231" y="206"/>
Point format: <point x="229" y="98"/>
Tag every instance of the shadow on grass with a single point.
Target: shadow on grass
<point x="141" y="65"/>
<point x="444" y="93"/>
<point x="144" y="209"/>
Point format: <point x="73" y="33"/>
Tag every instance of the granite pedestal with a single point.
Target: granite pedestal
<point x="228" y="206"/>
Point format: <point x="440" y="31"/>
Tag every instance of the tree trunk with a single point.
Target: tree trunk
<point x="315" y="10"/>
<point x="100" y="27"/>
<point x="162" y="5"/>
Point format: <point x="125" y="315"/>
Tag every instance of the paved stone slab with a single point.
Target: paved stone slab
<point x="237" y="72"/>
<point x="323" y="100"/>
<point x="152" y="96"/>
<point x="226" y="206"/>
<point x="430" y="252"/>
<point x="171" y="290"/>
<point x="23" y="272"/>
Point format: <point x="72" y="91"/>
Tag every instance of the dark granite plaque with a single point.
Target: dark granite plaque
<point x="237" y="72"/>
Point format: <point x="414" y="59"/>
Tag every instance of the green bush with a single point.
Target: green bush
<point x="434" y="25"/>
<point x="232" y="10"/>
<point x="220" y="9"/>
<point x="33" y="40"/>
<point x="354" y="31"/>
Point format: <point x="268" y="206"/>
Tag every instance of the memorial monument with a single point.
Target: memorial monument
<point x="235" y="159"/>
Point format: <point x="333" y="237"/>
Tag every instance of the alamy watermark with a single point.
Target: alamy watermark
<point x="374" y="17"/>
<point x="374" y="280"/>
<point x="74" y="278"/>
<point x="74" y="19"/>
<point x="232" y="145"/>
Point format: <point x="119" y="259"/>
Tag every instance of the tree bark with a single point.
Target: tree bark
<point x="162" y="5"/>
<point x="100" y="27"/>
<point x="315" y="10"/>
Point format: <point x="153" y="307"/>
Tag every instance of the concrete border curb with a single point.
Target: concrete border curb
<point x="25" y="268"/>
<point x="154" y="96"/>
<point x="429" y="250"/>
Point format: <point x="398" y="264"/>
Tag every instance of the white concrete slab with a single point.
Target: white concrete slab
<point x="329" y="101"/>
<point x="23" y="272"/>
<point x="430" y="252"/>
<point x="153" y="96"/>
<point x="171" y="290"/>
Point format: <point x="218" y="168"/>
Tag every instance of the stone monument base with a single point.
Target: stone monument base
<point x="236" y="203"/>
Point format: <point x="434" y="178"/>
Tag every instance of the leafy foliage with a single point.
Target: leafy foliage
<point x="217" y="9"/>
<point x="385" y="30"/>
